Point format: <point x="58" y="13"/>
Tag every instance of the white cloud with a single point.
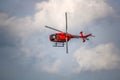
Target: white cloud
<point x="104" y="56"/>
<point x="101" y="57"/>
<point x="53" y="68"/>
<point x="80" y="12"/>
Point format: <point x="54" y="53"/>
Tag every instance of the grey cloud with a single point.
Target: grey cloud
<point x="27" y="53"/>
<point x="20" y="8"/>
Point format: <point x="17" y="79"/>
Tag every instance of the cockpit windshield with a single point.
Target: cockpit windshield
<point x="52" y="37"/>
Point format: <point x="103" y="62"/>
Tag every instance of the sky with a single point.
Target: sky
<point x="27" y="54"/>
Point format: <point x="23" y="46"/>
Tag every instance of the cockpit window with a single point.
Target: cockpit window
<point x="53" y="36"/>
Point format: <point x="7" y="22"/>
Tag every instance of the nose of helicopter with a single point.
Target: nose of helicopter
<point x="51" y="37"/>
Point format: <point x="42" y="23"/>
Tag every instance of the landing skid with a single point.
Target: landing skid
<point x="59" y="44"/>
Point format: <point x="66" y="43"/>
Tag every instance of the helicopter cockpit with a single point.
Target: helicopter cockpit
<point x="53" y="37"/>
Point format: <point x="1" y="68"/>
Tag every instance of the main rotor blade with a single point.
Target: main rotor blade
<point x="53" y="28"/>
<point x="67" y="47"/>
<point x="66" y="33"/>
<point x="66" y="21"/>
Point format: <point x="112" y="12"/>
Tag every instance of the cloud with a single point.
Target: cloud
<point x="52" y="13"/>
<point x="54" y="68"/>
<point x="102" y="57"/>
<point x="31" y="37"/>
<point x="80" y="12"/>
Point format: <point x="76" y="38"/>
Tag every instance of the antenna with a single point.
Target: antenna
<point x="66" y="33"/>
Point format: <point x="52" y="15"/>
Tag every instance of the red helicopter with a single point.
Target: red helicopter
<point x="64" y="37"/>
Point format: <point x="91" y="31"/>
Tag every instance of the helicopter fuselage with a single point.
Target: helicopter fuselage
<point x="61" y="37"/>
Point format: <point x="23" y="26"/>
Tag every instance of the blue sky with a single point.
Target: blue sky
<point x="27" y="54"/>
